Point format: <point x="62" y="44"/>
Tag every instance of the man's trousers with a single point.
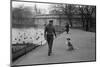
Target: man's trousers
<point x="50" y="43"/>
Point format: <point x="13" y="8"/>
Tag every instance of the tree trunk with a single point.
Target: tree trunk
<point x="83" y="21"/>
<point x="87" y="22"/>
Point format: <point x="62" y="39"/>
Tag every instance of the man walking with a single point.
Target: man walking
<point x="49" y="35"/>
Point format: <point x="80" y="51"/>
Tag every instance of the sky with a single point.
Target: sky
<point x="45" y="7"/>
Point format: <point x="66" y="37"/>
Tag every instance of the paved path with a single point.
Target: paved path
<point x="84" y="43"/>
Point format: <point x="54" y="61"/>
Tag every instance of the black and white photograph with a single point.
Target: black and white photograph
<point x="52" y="33"/>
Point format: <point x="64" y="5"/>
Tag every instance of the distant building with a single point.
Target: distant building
<point x="44" y="19"/>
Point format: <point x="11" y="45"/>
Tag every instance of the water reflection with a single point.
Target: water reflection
<point x="29" y="35"/>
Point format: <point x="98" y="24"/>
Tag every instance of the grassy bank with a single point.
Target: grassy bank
<point x="19" y="50"/>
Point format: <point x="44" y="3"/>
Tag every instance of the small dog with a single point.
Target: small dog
<point x="68" y="42"/>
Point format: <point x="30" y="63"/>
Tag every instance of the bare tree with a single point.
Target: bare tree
<point x="21" y="15"/>
<point x="64" y="9"/>
<point x="86" y="13"/>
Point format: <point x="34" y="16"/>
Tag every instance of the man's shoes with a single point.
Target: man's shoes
<point x="49" y="54"/>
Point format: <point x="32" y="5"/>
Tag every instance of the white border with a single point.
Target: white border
<point x="5" y="33"/>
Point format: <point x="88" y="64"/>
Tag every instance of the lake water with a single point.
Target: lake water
<point x="28" y="35"/>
